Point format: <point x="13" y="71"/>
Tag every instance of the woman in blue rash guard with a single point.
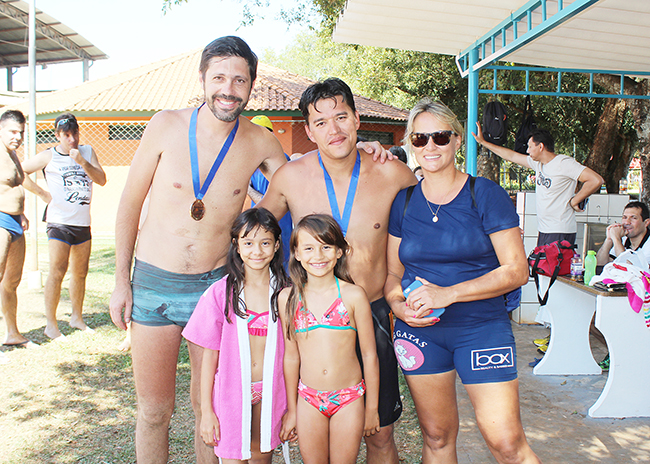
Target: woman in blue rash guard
<point x="459" y="237"/>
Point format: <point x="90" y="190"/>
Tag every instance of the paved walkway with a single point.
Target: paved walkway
<point x="554" y="413"/>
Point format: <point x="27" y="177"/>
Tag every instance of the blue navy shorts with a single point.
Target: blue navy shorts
<point x="482" y="354"/>
<point x="72" y="235"/>
<point x="11" y="223"/>
<point x="165" y="298"/>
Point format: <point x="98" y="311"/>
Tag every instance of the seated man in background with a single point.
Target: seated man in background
<point x="630" y="234"/>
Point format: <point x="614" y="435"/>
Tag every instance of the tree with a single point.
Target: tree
<point x="640" y="116"/>
<point x="601" y="134"/>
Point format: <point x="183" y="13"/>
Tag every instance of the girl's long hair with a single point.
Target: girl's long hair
<point x="326" y="230"/>
<point x="247" y="222"/>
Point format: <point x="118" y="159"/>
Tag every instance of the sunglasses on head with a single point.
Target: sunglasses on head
<point x="440" y="138"/>
<point x="62" y="122"/>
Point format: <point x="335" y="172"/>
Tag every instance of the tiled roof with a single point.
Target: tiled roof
<point x="173" y="83"/>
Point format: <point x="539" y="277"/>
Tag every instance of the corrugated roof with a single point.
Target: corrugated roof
<point x="610" y="35"/>
<point x="55" y="42"/>
<point x="173" y="83"/>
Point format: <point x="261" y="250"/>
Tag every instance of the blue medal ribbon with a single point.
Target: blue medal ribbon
<point x="352" y="190"/>
<point x="200" y="191"/>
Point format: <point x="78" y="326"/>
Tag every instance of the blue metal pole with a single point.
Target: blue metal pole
<point x="471" y="150"/>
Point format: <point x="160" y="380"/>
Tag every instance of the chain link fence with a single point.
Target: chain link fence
<point x="115" y="141"/>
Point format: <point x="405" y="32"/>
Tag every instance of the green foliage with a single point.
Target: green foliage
<point x="396" y="77"/>
<point x="301" y="12"/>
<point x="401" y="77"/>
<point x="572" y="121"/>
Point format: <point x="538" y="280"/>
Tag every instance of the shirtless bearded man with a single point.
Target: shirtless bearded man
<point x="12" y="222"/>
<point x="183" y="242"/>
<point x="325" y="181"/>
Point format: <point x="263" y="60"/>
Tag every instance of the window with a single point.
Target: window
<point x="125" y="131"/>
<point x="385" y="138"/>
<point x="45" y="136"/>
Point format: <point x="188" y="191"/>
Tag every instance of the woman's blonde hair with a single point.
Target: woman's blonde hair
<point x="437" y="109"/>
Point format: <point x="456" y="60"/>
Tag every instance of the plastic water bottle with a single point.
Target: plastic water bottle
<point x="590" y="266"/>
<point x="576" y="267"/>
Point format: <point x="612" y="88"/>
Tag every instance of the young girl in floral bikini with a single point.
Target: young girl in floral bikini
<point x="325" y="315"/>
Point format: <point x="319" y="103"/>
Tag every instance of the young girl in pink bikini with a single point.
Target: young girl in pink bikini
<point x="236" y="320"/>
<point x="325" y="315"/>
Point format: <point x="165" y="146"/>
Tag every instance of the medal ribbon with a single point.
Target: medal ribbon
<point x="200" y="191"/>
<point x="352" y="190"/>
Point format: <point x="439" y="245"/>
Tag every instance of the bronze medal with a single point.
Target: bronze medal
<point x="198" y="210"/>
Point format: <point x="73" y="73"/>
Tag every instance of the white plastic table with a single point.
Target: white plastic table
<point x="571" y="306"/>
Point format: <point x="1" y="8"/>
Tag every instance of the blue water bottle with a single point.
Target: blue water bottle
<point x="590" y="266"/>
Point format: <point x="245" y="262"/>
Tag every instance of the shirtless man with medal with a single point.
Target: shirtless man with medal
<point x="195" y="165"/>
<point x="358" y="194"/>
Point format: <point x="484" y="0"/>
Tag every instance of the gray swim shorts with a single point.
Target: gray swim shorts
<point x="164" y="298"/>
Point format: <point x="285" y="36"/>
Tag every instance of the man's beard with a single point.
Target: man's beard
<point x="226" y="116"/>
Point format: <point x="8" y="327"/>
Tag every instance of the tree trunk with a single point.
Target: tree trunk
<point x="606" y="157"/>
<point x="641" y="113"/>
<point x="488" y="165"/>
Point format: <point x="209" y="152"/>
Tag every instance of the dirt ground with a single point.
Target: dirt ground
<point x="74" y="403"/>
<point x="554" y="414"/>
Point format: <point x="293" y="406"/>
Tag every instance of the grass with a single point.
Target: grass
<point x="74" y="402"/>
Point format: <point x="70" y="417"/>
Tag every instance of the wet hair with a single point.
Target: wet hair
<point x="66" y="123"/>
<point x="543" y="136"/>
<point x="399" y="153"/>
<point x="12" y="115"/>
<point x="247" y="222"/>
<point x="225" y="47"/>
<point x="645" y="213"/>
<point x="329" y="88"/>
<point x="437" y="109"/>
<point x="326" y="230"/>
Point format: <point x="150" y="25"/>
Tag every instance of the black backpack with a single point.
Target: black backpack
<point x="495" y="123"/>
<point x="528" y="124"/>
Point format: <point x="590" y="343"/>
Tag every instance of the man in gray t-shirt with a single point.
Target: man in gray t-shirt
<point x="556" y="177"/>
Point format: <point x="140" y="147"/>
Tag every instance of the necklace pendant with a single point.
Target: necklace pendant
<point x="435" y="219"/>
<point x="197" y="211"/>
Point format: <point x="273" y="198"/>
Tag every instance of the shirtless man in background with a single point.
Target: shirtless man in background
<point x="12" y="222"/>
<point x="301" y="188"/>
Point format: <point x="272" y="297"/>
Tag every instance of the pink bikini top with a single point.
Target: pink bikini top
<point x="258" y="323"/>
<point x="336" y="316"/>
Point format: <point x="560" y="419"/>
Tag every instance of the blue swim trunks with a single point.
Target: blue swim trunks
<point x="11" y="223"/>
<point x="165" y="298"/>
<point x="480" y="354"/>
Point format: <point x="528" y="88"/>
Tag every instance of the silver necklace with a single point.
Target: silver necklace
<point x="435" y="215"/>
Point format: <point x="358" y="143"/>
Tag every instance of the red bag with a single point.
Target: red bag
<point x="550" y="260"/>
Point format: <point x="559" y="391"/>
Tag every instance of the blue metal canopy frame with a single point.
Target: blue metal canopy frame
<point x="560" y="93"/>
<point x="508" y="33"/>
<point x="483" y="53"/>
